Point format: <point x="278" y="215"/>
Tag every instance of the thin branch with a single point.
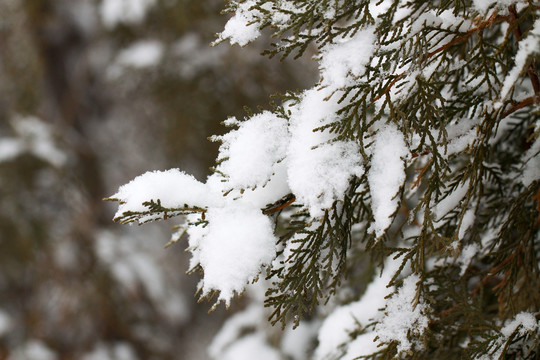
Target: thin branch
<point x="490" y="21"/>
<point x="523" y="103"/>
<point x="280" y="205"/>
<point x="484" y="24"/>
<point x="387" y="89"/>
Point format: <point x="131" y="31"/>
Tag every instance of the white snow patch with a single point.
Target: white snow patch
<point x="450" y="202"/>
<point x="527" y="321"/>
<point x="32" y="136"/>
<point x="347" y="57"/>
<point x="466" y="223"/>
<point x="319" y="169"/>
<point x="483" y="5"/>
<point x="33" y="350"/>
<point x="253" y="346"/>
<point x="173" y="187"/>
<point x="233" y="328"/>
<point x="115" y="351"/>
<point x="336" y="328"/>
<point x="296" y="343"/>
<point x="466" y="256"/>
<point x="253" y="150"/>
<point x="531" y="167"/>
<point x="402" y="317"/>
<point x="129" y="12"/>
<point x="242" y="28"/>
<point x="238" y="242"/>
<point x="386" y="176"/>
<point x="142" y="54"/>
<point x="527" y="46"/>
<point x="5" y="323"/>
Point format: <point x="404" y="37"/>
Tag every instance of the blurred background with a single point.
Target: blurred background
<point x="92" y="94"/>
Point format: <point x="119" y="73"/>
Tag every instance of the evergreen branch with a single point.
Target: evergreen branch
<point x="520" y="105"/>
<point x="155" y="212"/>
<point x="389" y="87"/>
<point x="489" y="22"/>
<point x="531" y="71"/>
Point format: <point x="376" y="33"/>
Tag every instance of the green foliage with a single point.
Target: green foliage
<point x="440" y="83"/>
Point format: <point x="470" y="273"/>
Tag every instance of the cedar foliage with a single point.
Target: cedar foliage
<point x="428" y="76"/>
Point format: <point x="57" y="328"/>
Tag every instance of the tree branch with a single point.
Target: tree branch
<point x="484" y="24"/>
<point x="533" y="74"/>
<point x="525" y="102"/>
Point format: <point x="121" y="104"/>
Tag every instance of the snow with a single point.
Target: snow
<point x="483" y="5"/>
<point x="33" y="350"/>
<point x="531" y="161"/>
<point x="253" y="150"/>
<point x="173" y="187"/>
<point x="364" y="344"/>
<point x="466" y="256"/>
<point x="233" y="329"/>
<point x="115" y="351"/>
<point x="524" y="322"/>
<point x="402" y="316"/>
<point x="466" y="223"/>
<point x="527" y="47"/>
<point x="142" y="54"/>
<point x="348" y="57"/>
<point x="527" y="321"/>
<point x="319" y="169"/>
<point x="10" y="149"/>
<point x="296" y="343"/>
<point x="242" y="28"/>
<point x="238" y="242"/>
<point x="248" y="347"/>
<point x="336" y="328"/>
<point x="135" y="268"/>
<point x="386" y="176"/>
<point x="5" y="323"/>
<point x="32" y="136"/>
<point x="451" y="200"/>
<point x="114" y="12"/>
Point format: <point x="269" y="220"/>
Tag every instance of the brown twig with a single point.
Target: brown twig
<point x="387" y="89"/>
<point x="484" y="24"/>
<point x="280" y="205"/>
<point x="525" y="102"/>
<point x="486" y="278"/>
<point x="492" y="19"/>
<point x="421" y="173"/>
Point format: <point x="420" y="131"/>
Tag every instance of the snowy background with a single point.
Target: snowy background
<point x="93" y="93"/>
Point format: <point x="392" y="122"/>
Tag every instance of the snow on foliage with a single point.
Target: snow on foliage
<point x="527" y="48"/>
<point x="335" y="331"/>
<point x="252" y="151"/>
<point x="404" y="316"/>
<point x="523" y="324"/>
<point x="239" y="241"/>
<point x="346" y="60"/>
<point x="318" y="168"/>
<point x="242" y="28"/>
<point x="173" y="188"/>
<point x="419" y="128"/>
<point x="386" y="176"/>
